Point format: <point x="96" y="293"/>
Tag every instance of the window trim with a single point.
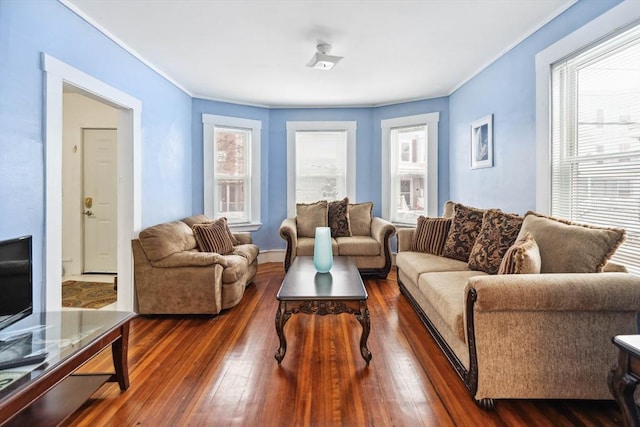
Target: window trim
<point x="209" y="122"/>
<point x="349" y="127"/>
<point x="614" y="19"/>
<point x="431" y="120"/>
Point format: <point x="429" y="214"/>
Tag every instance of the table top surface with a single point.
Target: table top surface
<point x="631" y="343"/>
<point x="303" y="282"/>
<point x="61" y="334"/>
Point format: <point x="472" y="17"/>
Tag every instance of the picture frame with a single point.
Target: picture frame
<point x="482" y="143"/>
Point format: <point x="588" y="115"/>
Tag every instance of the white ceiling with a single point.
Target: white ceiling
<point x="254" y="52"/>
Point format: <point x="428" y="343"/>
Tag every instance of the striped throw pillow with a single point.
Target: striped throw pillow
<point x="430" y="235"/>
<point x="213" y="237"/>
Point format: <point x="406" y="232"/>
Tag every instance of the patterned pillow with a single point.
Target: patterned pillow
<point x="213" y="237"/>
<point x="309" y="216"/>
<point x="568" y="247"/>
<point x="360" y="218"/>
<point x="339" y="218"/>
<point x="523" y="257"/>
<point x="463" y="232"/>
<point x="498" y="232"/>
<point x="430" y="235"/>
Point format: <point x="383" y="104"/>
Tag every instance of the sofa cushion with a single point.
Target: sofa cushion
<point x="498" y="232"/>
<point x="306" y="244"/>
<point x="338" y="215"/>
<point x="523" y="257"/>
<point x="360" y="215"/>
<point x="464" y="229"/>
<point x="430" y="235"/>
<point x="164" y="239"/>
<point x="568" y="247"/>
<point x="413" y="264"/>
<point x="445" y="291"/>
<point x="309" y="216"/>
<point x="213" y="236"/>
<point x="358" y="246"/>
<point x="248" y="251"/>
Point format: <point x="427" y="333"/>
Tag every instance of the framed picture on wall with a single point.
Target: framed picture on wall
<point x="482" y="143"/>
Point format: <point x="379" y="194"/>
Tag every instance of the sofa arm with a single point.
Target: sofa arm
<point x="382" y="229"/>
<point x="190" y="259"/>
<point x="289" y="232"/>
<point x="243" y="238"/>
<point x="405" y="237"/>
<point x="556" y="292"/>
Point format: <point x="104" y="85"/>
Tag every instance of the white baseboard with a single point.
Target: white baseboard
<point x="271" y="255"/>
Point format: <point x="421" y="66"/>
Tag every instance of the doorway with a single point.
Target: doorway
<point x="59" y="75"/>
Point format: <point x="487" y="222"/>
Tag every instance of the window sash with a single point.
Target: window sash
<point x="225" y="208"/>
<point x="595" y="150"/>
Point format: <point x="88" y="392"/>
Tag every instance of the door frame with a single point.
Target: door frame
<point x="57" y="74"/>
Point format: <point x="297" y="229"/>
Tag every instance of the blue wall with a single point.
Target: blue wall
<point x="28" y="28"/>
<point x="506" y="89"/>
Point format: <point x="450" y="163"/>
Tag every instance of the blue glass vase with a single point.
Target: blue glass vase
<point x="322" y="250"/>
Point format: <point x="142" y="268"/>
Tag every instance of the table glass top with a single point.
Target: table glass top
<point x="303" y="282"/>
<point x="59" y="334"/>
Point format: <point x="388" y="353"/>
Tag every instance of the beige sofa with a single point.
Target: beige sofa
<point x="355" y="232"/>
<point x="533" y="335"/>
<point x="173" y="277"/>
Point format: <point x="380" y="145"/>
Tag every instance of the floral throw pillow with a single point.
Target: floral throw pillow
<point x="498" y="232"/>
<point x="339" y="218"/>
<point x="463" y="232"/>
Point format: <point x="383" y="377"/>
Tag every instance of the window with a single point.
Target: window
<point x="232" y="170"/>
<point x="320" y="162"/>
<point x="595" y="132"/>
<point x="410" y="168"/>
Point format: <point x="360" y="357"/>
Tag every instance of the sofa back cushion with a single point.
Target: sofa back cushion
<point x="498" y="232"/>
<point x="568" y="247"/>
<point x="162" y="240"/>
<point x="338" y="217"/>
<point x="523" y="257"/>
<point x="464" y="229"/>
<point x="213" y="236"/>
<point x="360" y="215"/>
<point x="309" y="216"/>
<point x="430" y="235"/>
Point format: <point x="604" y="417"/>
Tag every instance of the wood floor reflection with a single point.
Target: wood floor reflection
<point x="206" y="371"/>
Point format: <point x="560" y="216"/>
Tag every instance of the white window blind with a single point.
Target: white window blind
<point x="595" y="161"/>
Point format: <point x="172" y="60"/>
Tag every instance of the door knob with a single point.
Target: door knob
<point x="88" y="202"/>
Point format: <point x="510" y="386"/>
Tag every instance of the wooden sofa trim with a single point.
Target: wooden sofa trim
<point x="468" y="377"/>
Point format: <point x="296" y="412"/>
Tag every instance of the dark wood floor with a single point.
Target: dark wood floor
<point x="203" y="371"/>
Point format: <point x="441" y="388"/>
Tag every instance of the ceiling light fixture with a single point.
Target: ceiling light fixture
<point x="322" y="60"/>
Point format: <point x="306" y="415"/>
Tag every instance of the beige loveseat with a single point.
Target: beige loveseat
<point x="173" y="277"/>
<point x="355" y="232"/>
<point x="537" y="334"/>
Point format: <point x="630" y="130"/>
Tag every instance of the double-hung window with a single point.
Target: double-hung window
<point x="320" y="162"/>
<point x="232" y="170"/>
<point x="409" y="168"/>
<point x="595" y="132"/>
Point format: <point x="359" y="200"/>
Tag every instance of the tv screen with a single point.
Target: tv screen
<point x="16" y="288"/>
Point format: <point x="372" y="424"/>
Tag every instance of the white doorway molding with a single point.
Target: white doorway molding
<point x="58" y="74"/>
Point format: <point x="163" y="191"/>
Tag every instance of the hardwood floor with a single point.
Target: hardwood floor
<point x="202" y="371"/>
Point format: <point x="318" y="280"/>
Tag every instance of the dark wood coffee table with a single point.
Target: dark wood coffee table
<point x="306" y="291"/>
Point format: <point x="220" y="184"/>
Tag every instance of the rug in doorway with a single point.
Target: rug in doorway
<point x="87" y="294"/>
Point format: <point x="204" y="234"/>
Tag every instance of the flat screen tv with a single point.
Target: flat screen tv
<point x="16" y="288"/>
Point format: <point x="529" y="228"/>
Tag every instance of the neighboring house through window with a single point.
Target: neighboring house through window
<point x="232" y="170"/>
<point x="321" y="162"/>
<point x="409" y="168"/>
<point x="594" y="126"/>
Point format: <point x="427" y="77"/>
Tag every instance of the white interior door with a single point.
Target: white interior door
<point x="100" y="174"/>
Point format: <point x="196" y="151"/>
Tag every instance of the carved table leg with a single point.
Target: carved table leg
<point x="281" y="318"/>
<point x="622" y="385"/>
<point x="363" y="318"/>
<point x="119" y="350"/>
